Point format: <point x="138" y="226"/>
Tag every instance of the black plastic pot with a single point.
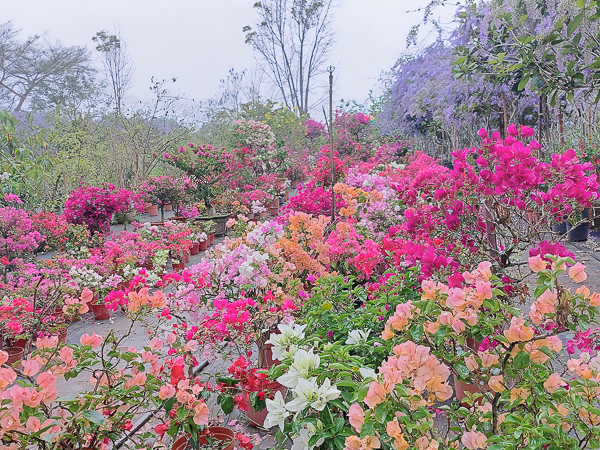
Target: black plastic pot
<point x="560" y="228"/>
<point x="581" y="232"/>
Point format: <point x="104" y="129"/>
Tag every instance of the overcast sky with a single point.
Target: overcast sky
<point x="198" y="41"/>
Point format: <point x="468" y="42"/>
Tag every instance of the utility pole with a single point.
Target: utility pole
<point x="330" y="69"/>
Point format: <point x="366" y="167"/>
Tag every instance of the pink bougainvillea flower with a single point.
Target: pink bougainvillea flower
<point x="356" y="416"/>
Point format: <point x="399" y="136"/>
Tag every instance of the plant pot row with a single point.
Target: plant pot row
<point x="576" y="234"/>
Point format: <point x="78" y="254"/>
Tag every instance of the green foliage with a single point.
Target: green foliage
<point x="26" y="162"/>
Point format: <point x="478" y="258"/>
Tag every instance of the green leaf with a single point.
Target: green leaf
<point x="523" y="83"/>
<point x="227" y="404"/>
<point x="380" y="412"/>
<point x="521" y="360"/>
<point x="366" y="430"/>
<point x="574" y="23"/>
<point x="93" y="416"/>
<point x="416" y="331"/>
<point x="338" y="425"/>
<point x="462" y="370"/>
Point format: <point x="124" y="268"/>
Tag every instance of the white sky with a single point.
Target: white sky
<point x="198" y="41"/>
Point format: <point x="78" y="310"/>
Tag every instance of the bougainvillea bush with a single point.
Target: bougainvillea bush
<point x="205" y="165"/>
<point x="94" y="206"/>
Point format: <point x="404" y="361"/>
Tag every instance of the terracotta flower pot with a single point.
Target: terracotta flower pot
<point x="222" y="434"/>
<point x="250" y="216"/>
<point x="15" y="355"/>
<point x="211" y="239"/>
<point x="257" y="418"/>
<point x="294" y="184"/>
<point x="265" y="351"/>
<point x="462" y="388"/>
<point x="274" y="210"/>
<point x="62" y="335"/>
<point x="153" y="210"/>
<point x="168" y="208"/>
<point x="178" y="266"/>
<point x="195" y="248"/>
<point x="202" y="246"/>
<point x="263" y="215"/>
<point x="186" y="257"/>
<point x="100" y="311"/>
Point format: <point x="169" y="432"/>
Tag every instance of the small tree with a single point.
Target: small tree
<point x="205" y="165"/>
<point x="167" y="190"/>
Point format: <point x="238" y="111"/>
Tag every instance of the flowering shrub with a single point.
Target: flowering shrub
<point x="52" y="227"/>
<point x="94" y="206"/>
<point x="17" y="234"/>
<point x="205" y="165"/>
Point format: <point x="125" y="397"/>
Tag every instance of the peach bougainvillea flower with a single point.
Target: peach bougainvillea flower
<point x="423" y="443"/>
<point x="166" y="391"/>
<point x="496" y="383"/>
<point x="473" y="440"/>
<point x="366" y="443"/>
<point x="137" y="299"/>
<point x="471" y="363"/>
<point x="392" y="428"/>
<point x="46" y="342"/>
<point x="536" y="263"/>
<point x="93" y="341"/>
<point x="356" y="416"/>
<point x="595" y="299"/>
<point x="31" y="367"/>
<point x="488" y="359"/>
<point x="554" y="382"/>
<point x="518" y="331"/>
<point x="201" y="413"/>
<point x="158" y="300"/>
<point x="3" y="357"/>
<point x="577" y="273"/>
<point x="7" y="376"/>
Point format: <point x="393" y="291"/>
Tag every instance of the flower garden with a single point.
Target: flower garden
<point x="438" y="310"/>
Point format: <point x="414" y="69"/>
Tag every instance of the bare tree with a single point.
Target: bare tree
<point x="37" y="62"/>
<point x="292" y="39"/>
<point x="117" y="64"/>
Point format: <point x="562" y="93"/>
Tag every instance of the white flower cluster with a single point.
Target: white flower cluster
<point x="258" y="207"/>
<point x="306" y="391"/>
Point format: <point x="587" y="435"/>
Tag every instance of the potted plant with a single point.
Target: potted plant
<point x="205" y="166"/>
<point x="94" y="206"/>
